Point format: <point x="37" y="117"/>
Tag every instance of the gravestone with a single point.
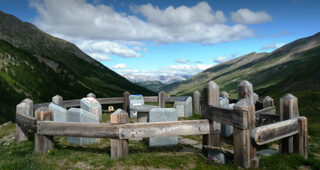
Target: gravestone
<point x="135" y="100"/>
<point x="226" y="130"/>
<point x="59" y="113"/>
<point x="91" y="105"/>
<point x="29" y="103"/>
<point x="163" y="115"/>
<point x="183" y="106"/>
<point x="82" y="116"/>
<point x="110" y="108"/>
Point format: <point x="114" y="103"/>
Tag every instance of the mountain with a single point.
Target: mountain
<point x="165" y="79"/>
<point x="293" y="67"/>
<point x="151" y="85"/>
<point x="37" y="65"/>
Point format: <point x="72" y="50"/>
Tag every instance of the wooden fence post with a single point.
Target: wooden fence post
<point x="91" y="95"/>
<point x="196" y="102"/>
<point x="302" y="143"/>
<point x="267" y="102"/>
<point x="211" y="98"/>
<point x="119" y="147"/>
<point x="224" y="94"/>
<point x="21" y="133"/>
<point x="126" y="101"/>
<point x="57" y="100"/>
<point x="245" y="91"/>
<point x="244" y="151"/>
<point x="255" y="97"/>
<point x="288" y="110"/>
<point x="43" y="143"/>
<point x="162" y="99"/>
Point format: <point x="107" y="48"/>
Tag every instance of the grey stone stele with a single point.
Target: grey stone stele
<point x="163" y="115"/>
<point x="91" y="105"/>
<point x="135" y="100"/>
<point x="82" y="116"/>
<point x="184" y="106"/>
<point x="226" y="130"/>
<point x="59" y="113"/>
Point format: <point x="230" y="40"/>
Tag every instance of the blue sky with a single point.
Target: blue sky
<point x="170" y="37"/>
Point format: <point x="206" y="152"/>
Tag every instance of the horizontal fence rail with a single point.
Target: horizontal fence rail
<point x="236" y="118"/>
<point x="272" y="132"/>
<point x="26" y="122"/>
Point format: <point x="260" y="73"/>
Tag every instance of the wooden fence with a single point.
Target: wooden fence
<point x="287" y="127"/>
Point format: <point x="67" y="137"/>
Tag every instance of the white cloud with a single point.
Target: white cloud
<point x="80" y="19"/>
<point x="245" y="16"/>
<point x="221" y="59"/>
<point x="120" y="66"/>
<point x="109" y="48"/>
<point x="99" y="57"/>
<point x="271" y="46"/>
<point x="181" y="61"/>
<point x="184" y="69"/>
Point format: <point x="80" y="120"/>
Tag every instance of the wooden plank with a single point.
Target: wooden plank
<point x="162" y="129"/>
<point x="303" y="136"/>
<point x="269" y="117"/>
<point x="37" y="106"/>
<point x="275" y="131"/>
<point x="150" y="99"/>
<point x="171" y="99"/>
<point x="21" y="132"/>
<point x="71" y="103"/>
<point x="111" y="100"/>
<point x="75" y="129"/>
<point x="268" y="110"/>
<point x="43" y="143"/>
<point x="162" y="99"/>
<point x="26" y="122"/>
<point x="126" y="101"/>
<point x="288" y="110"/>
<point x="236" y="118"/>
<point x="119" y="147"/>
<point x="196" y="102"/>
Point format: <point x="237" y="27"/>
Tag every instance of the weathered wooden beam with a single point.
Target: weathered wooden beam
<point x="26" y="122"/>
<point x="275" y="131"/>
<point x="111" y="100"/>
<point x="126" y="101"/>
<point x="43" y="143"/>
<point x="71" y="103"/>
<point x="196" y="103"/>
<point x="244" y="151"/>
<point x="119" y="147"/>
<point x="161" y="129"/>
<point x="75" y="129"/>
<point x="267" y="102"/>
<point x="303" y="137"/>
<point x="236" y="118"/>
<point x="162" y="99"/>
<point x="211" y="93"/>
<point x="224" y="94"/>
<point x="268" y="110"/>
<point x="21" y="132"/>
<point x="245" y="91"/>
<point x="269" y="117"/>
<point x="150" y="99"/>
<point x="288" y="110"/>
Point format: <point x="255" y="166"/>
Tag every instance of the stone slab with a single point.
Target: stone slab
<point x="91" y="105"/>
<point x="135" y="101"/>
<point x="226" y="130"/>
<point x="59" y="113"/>
<point x="82" y="116"/>
<point x="163" y="115"/>
<point x="184" y="107"/>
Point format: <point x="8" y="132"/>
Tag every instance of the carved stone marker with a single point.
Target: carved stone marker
<point x="59" y="113"/>
<point x="163" y="115"/>
<point x="29" y="103"/>
<point x="135" y="100"/>
<point x="91" y="105"/>
<point x="226" y="130"/>
<point x="82" y="116"/>
<point x="183" y="106"/>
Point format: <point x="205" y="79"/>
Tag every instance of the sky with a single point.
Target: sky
<point x="170" y="37"/>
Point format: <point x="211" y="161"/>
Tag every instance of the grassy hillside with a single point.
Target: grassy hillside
<point x="152" y="85"/>
<point x="288" y="69"/>
<point x="36" y="65"/>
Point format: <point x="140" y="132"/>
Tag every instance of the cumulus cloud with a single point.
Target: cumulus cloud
<point x="221" y="59"/>
<point x="271" y="46"/>
<point x="108" y="48"/>
<point x="99" y="57"/>
<point x="78" y="18"/>
<point x="246" y="16"/>
<point x="120" y="66"/>
<point x="185" y="69"/>
<point x="181" y="61"/>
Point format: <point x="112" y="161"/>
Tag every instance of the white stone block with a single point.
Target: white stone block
<point x="91" y="105"/>
<point x="59" y="113"/>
